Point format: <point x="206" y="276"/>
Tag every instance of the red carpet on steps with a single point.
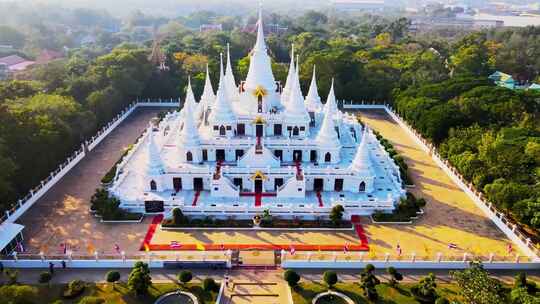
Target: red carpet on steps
<point x="319" y="197"/>
<point x="258" y="199"/>
<point x="196" y="198"/>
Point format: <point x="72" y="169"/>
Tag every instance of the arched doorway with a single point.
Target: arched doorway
<point x="295" y="131"/>
<point x="327" y="157"/>
<point x="222" y="130"/>
<point x="153" y="185"/>
<point x="362" y="187"/>
<point x="189" y="156"/>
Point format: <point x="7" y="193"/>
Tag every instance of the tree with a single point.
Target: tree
<point x="112" y="277"/>
<point x="139" y="279"/>
<point x="425" y="290"/>
<point x="330" y="278"/>
<point x="476" y="286"/>
<point x="336" y="214"/>
<point x="178" y="216"/>
<point x="291" y="277"/>
<point x="10" y="36"/>
<point x="520" y="281"/>
<point x="45" y="277"/>
<point x="395" y="276"/>
<point x="185" y="276"/>
<point x="368" y="282"/>
<point x="210" y="285"/>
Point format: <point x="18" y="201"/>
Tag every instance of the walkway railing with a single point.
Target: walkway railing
<point x="510" y="228"/>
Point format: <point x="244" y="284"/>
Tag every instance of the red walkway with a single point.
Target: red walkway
<point x="258" y="196"/>
<point x="151" y="230"/>
<point x="361" y="246"/>
<point x="319" y="197"/>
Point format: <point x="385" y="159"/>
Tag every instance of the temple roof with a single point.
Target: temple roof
<point x="327" y="135"/>
<point x="208" y="97"/>
<point x="331" y="100"/>
<point x="362" y="161"/>
<point x="313" y="100"/>
<point x="154" y="165"/>
<point x="189" y="135"/>
<point x="222" y="112"/>
<point x="287" y="88"/>
<point x="260" y="68"/>
<point x="230" y="83"/>
<point x="295" y="106"/>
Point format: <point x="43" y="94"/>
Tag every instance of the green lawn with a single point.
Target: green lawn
<point x="120" y="294"/>
<point x="400" y="295"/>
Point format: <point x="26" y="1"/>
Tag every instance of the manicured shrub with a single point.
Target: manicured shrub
<point x="18" y="294"/>
<point x="210" y="285"/>
<point x="74" y="289"/>
<point x="291" y="277"/>
<point x="336" y="214"/>
<point x="112" y="277"/>
<point x="185" y="276"/>
<point x="45" y="277"/>
<point x="368" y="282"/>
<point x="425" y="291"/>
<point x="395" y="276"/>
<point x="330" y="278"/>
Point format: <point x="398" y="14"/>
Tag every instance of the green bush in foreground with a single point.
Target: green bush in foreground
<point x="139" y="279"/>
<point x="330" y="278"/>
<point x="185" y="276"/>
<point x="91" y="300"/>
<point x="210" y="285"/>
<point x="291" y="277"/>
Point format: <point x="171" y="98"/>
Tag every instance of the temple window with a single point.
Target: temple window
<point x="259" y="104"/>
<point x="216" y="128"/>
<point x="327" y="157"/>
<point x="153" y="185"/>
<point x="295" y="131"/>
<point x="189" y="156"/>
<point x="222" y="130"/>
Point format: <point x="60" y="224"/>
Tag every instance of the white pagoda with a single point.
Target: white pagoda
<point x="257" y="145"/>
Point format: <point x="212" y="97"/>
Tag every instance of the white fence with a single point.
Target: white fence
<point x="509" y="229"/>
<point x="35" y="194"/>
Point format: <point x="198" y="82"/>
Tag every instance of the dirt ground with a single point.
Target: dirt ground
<point x="62" y="215"/>
<point x="451" y="216"/>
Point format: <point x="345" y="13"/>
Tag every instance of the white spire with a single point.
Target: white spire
<point x="232" y="89"/>
<point x="287" y="89"/>
<point x="208" y="97"/>
<point x="155" y="163"/>
<point x="190" y="97"/>
<point x="327" y="134"/>
<point x="260" y="68"/>
<point x="295" y="106"/>
<point x="189" y="135"/>
<point x="362" y="161"/>
<point x="313" y="100"/>
<point x="331" y="100"/>
<point x="222" y="112"/>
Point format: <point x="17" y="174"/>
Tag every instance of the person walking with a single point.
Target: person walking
<point x="51" y="268"/>
<point x="63" y="264"/>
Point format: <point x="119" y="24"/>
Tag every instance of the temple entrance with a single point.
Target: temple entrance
<point x="297" y="155"/>
<point x="278" y="182"/>
<point x="239" y="154"/>
<point x="279" y="154"/>
<point x="238" y="182"/>
<point x="198" y="184"/>
<point x="338" y="185"/>
<point x="205" y="155"/>
<point x="313" y="156"/>
<point x="318" y="184"/>
<point x="277" y="130"/>
<point x="259" y="104"/>
<point x="220" y="155"/>
<point x="258" y="186"/>
<point x="177" y="184"/>
<point x="259" y="130"/>
<point x="241" y="129"/>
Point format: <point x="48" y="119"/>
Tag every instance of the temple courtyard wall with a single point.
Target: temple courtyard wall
<point x="62" y="215"/>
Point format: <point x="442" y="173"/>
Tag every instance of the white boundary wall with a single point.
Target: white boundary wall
<point x="496" y="217"/>
<point x="35" y="194"/>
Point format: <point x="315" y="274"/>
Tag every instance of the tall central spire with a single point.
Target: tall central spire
<point x="260" y="68"/>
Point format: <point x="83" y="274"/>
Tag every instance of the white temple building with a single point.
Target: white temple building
<point x="257" y="145"/>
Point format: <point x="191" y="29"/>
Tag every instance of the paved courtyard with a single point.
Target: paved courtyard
<point x="451" y="216"/>
<point x="61" y="215"/>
